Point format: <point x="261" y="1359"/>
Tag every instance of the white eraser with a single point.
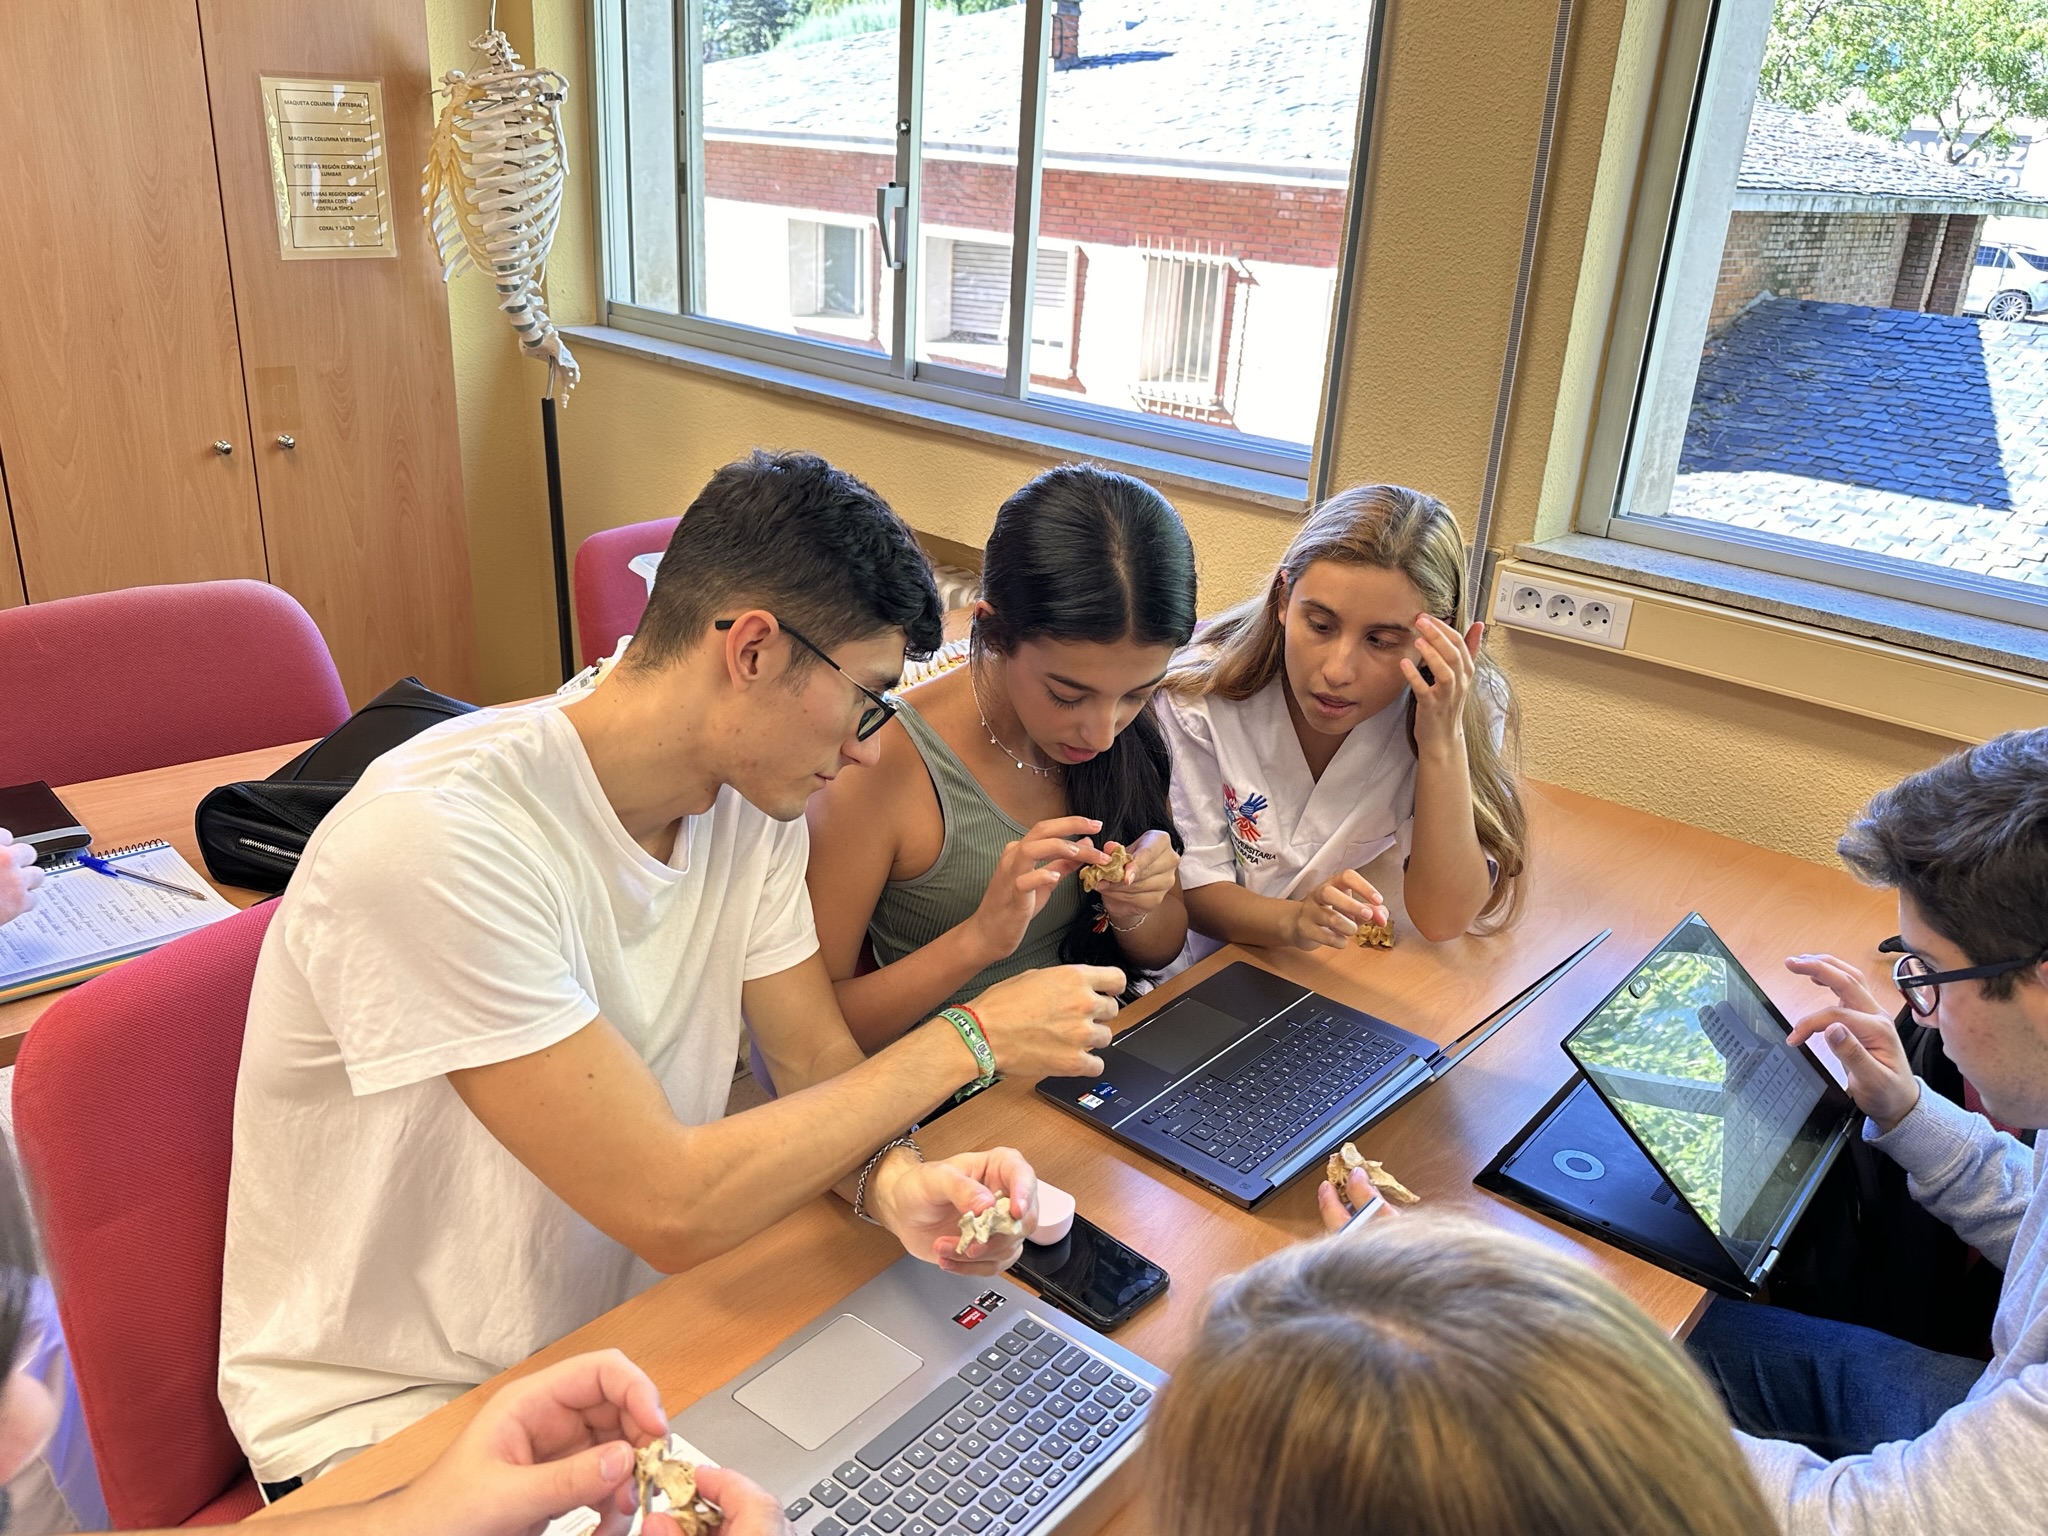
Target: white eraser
<point x="1055" y="1215"/>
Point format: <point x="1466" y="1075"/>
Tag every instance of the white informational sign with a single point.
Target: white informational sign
<point x="328" y="168"/>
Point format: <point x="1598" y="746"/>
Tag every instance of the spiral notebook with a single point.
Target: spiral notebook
<point x="83" y="922"/>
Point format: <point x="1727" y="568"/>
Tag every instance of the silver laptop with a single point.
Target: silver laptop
<point x="930" y="1404"/>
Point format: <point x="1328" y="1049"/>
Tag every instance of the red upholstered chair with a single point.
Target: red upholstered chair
<point x="124" y="1104"/>
<point x="117" y="682"/>
<point x="609" y="593"/>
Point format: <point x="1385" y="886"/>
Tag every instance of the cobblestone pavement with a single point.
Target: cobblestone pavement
<point x="1923" y="437"/>
<point x="1989" y="541"/>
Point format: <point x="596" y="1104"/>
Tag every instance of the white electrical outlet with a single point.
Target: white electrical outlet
<point x="1528" y="601"/>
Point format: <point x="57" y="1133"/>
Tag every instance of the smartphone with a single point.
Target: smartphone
<point x="1092" y="1275"/>
<point x="34" y="814"/>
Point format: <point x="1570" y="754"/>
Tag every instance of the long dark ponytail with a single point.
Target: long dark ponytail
<point x="1083" y="553"/>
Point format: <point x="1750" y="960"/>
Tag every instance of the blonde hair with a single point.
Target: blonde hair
<point x="1433" y="1376"/>
<point x="1389" y="528"/>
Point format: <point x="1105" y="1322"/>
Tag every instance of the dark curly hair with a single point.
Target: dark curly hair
<point x="812" y="544"/>
<point x="1967" y="840"/>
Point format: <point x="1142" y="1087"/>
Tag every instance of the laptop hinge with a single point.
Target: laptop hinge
<point x="1769" y="1262"/>
<point x="1448" y="1056"/>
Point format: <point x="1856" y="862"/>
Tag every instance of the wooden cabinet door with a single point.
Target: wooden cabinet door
<point x="350" y="359"/>
<point x="119" y="370"/>
<point x="10" y="558"/>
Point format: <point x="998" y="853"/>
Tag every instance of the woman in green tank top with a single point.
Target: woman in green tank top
<point x="1029" y="753"/>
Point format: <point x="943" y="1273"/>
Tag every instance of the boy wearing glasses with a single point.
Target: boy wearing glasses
<point x="493" y="1026"/>
<point x="1890" y="1436"/>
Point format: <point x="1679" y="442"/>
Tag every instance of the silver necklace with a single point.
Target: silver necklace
<point x="1049" y="771"/>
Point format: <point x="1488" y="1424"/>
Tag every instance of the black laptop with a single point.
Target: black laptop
<point x="1248" y="1078"/>
<point x="1694" y="1135"/>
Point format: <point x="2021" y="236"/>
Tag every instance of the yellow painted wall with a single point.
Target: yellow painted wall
<point x="641" y="437"/>
<point x="1450" y="173"/>
<point x="497" y="392"/>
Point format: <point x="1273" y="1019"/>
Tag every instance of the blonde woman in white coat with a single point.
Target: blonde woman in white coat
<point x="1344" y="711"/>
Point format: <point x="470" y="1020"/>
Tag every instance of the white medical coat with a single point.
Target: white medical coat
<point x="1250" y="811"/>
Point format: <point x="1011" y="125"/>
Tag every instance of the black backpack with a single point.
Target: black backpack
<point x="252" y="834"/>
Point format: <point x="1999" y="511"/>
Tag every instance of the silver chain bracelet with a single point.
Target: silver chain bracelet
<point x="1113" y="928"/>
<point x="860" y="1190"/>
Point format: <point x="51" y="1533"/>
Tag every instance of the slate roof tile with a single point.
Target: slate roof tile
<point x="1789" y="151"/>
<point x="1262" y="83"/>
<point x="1927" y="439"/>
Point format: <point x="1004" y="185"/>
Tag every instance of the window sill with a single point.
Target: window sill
<point x="1893" y="621"/>
<point x="1924" y="669"/>
<point x="1283" y="493"/>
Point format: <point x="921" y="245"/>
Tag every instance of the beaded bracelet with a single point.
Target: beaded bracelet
<point x="969" y="1026"/>
<point x="860" y="1190"/>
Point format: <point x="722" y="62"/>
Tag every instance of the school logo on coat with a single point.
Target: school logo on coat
<point x="1243" y="814"/>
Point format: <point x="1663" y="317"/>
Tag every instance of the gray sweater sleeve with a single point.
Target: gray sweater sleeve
<point x="1976" y="1470"/>
<point x="1973" y="1178"/>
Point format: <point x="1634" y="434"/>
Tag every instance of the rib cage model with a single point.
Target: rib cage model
<point x="493" y="191"/>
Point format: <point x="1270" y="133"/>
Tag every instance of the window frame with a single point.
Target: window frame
<point x="829" y="320"/>
<point x="1639" y="299"/>
<point x="1006" y="396"/>
<point x="1062" y="307"/>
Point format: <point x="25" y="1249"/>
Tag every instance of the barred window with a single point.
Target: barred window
<point x="930" y="162"/>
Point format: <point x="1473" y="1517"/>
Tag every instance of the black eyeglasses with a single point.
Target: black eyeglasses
<point x="880" y="706"/>
<point x="1920" y="983"/>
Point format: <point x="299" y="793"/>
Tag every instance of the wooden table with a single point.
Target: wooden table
<point x="1596" y="865"/>
<point x="134" y="808"/>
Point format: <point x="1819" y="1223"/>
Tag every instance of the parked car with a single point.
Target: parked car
<point x="2009" y="282"/>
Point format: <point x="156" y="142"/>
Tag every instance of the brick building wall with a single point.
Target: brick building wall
<point x="1844" y="258"/>
<point x="1253" y="221"/>
<point x="1924" y="233"/>
<point x="1283" y="242"/>
<point x="1952" y="267"/>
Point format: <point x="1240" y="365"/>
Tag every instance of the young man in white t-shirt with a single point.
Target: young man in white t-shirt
<point x="493" y="1024"/>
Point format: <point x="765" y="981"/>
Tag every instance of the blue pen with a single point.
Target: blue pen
<point x="101" y="866"/>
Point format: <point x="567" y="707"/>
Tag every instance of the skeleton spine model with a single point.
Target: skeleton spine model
<point x="493" y="191"/>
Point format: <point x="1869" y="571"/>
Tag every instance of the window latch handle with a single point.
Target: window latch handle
<point x="892" y="204"/>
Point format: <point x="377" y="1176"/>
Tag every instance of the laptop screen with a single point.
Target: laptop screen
<point x="1691" y="1056"/>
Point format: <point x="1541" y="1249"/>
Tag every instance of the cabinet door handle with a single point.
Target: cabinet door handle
<point x="286" y="440"/>
<point x="223" y="447"/>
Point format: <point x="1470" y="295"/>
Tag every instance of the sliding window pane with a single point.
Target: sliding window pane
<point x="1197" y="159"/>
<point x="1851" y="353"/>
<point x="799" y="132"/>
<point x="973" y="64"/>
<point x="648" y="222"/>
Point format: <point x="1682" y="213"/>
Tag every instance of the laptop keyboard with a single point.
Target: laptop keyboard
<point x="1767" y="1099"/>
<point x="989" y="1451"/>
<point x="1313" y="1066"/>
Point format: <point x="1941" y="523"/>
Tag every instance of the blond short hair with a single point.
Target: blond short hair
<point x="1431" y="1376"/>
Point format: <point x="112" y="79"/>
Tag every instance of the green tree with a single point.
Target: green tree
<point x="1974" y="66"/>
<point x="735" y="28"/>
<point x="957" y="7"/>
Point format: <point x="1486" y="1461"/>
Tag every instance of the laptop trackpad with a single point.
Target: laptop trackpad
<point x="818" y="1389"/>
